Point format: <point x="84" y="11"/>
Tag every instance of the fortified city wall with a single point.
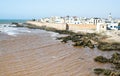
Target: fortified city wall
<point x="60" y="26"/>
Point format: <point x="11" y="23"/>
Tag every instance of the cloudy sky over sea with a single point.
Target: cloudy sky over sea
<point x="27" y="9"/>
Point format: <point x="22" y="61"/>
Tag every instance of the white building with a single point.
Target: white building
<point x="101" y="27"/>
<point x="95" y="21"/>
<point x="112" y="26"/>
<point x="72" y="20"/>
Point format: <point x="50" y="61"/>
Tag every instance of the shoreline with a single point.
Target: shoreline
<point x="103" y="41"/>
<point x="39" y="53"/>
<point x="113" y="36"/>
<point x="42" y="55"/>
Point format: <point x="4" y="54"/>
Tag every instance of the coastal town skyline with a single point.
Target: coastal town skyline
<point x="24" y="9"/>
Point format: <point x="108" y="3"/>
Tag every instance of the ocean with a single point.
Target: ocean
<point x="9" y="21"/>
<point x="6" y="27"/>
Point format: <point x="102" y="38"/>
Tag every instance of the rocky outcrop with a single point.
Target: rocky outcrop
<point x="114" y="60"/>
<point x="18" y="24"/>
<point x="108" y="46"/>
<point x="81" y="39"/>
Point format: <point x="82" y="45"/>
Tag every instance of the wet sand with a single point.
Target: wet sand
<point x="39" y="54"/>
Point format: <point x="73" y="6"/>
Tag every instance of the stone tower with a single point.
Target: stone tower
<point x="110" y="17"/>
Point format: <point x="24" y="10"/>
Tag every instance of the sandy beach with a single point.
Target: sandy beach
<point x="39" y="54"/>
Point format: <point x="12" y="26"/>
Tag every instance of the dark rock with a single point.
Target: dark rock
<point x="107" y="72"/>
<point x="108" y="46"/>
<point x="18" y="24"/>
<point x="98" y="71"/>
<point x="114" y="60"/>
<point x="101" y="59"/>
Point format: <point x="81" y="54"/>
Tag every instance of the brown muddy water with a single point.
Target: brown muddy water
<point x="38" y="53"/>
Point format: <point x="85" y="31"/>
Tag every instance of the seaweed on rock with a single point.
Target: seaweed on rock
<point x="115" y="60"/>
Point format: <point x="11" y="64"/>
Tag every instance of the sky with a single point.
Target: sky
<point x="29" y="9"/>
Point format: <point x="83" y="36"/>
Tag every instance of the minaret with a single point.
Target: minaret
<point x="110" y="17"/>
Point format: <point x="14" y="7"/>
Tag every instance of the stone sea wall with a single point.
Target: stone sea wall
<point x="58" y="26"/>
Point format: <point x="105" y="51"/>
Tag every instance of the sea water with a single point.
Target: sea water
<point x="9" y="21"/>
<point x="6" y="27"/>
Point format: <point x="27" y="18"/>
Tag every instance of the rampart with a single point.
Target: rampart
<point x="60" y="26"/>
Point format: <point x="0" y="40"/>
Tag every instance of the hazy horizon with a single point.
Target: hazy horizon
<point x="30" y="9"/>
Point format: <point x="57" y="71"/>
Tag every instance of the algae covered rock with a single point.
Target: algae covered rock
<point x="114" y="60"/>
<point x="101" y="59"/>
<point x="98" y="71"/>
<point x="108" y="46"/>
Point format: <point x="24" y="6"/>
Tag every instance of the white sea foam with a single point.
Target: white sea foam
<point x="53" y="34"/>
<point x="8" y="29"/>
<point x="11" y="33"/>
